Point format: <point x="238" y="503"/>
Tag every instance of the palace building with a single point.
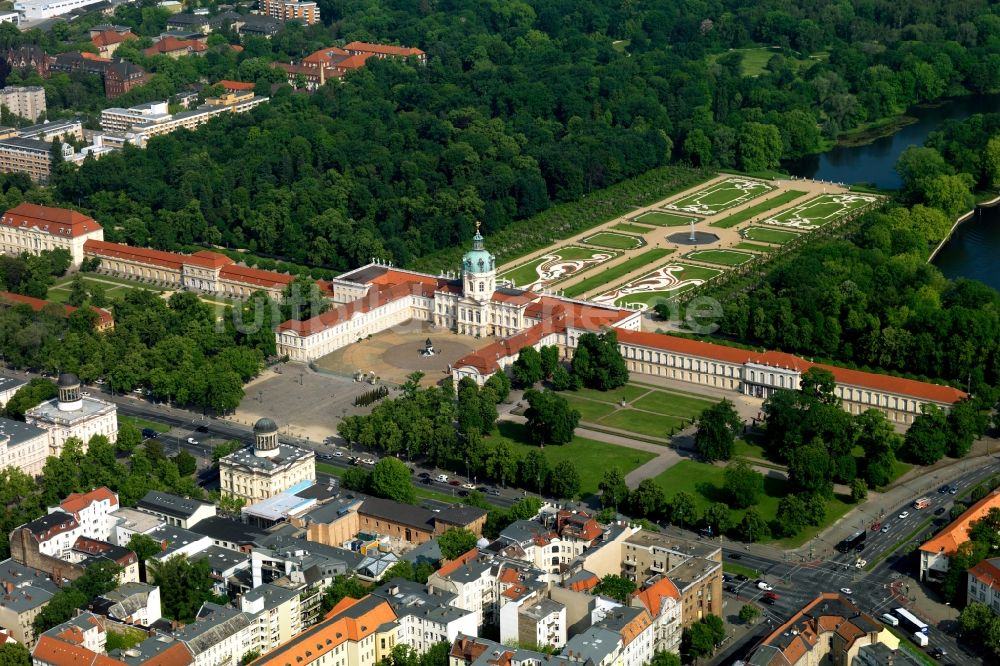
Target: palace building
<point x="266" y="469"/>
<point x="31" y="228"/>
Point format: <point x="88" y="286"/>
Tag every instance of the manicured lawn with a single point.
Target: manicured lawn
<point x="753" y="247"/>
<point x="762" y="207"/>
<point x="744" y="449"/>
<point x="723" y="257"/>
<point x="528" y="274"/>
<point x="737" y="569"/>
<point x="590" y="410"/>
<point x="819" y="211"/>
<point x="628" y="393"/>
<point x="674" y="404"/>
<point x="657" y="286"/>
<point x="632" y="228"/>
<point x="705" y="483"/>
<point x="721" y="196"/>
<point x="617" y="272"/>
<point x="614" y="241"/>
<point x="776" y="236"/>
<point x="643" y="423"/>
<point x="332" y="470"/>
<point x="661" y="219"/>
<point x="136" y="422"/>
<point x="755" y="60"/>
<point x="591" y="458"/>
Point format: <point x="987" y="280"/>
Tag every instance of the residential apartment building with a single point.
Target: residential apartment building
<point x="23" y="446"/>
<point x="291" y="10"/>
<point x="356" y="632"/>
<point x="93" y="511"/>
<point x="132" y="603"/>
<point x="54" y="533"/>
<point x="472" y="651"/>
<point x="108" y="41"/>
<point x="53" y="129"/>
<point x="277" y="612"/>
<point x="29" y="156"/>
<point x="219" y="636"/>
<point x="829" y="630"/>
<point x="984" y="584"/>
<point x="935" y="554"/>
<point x="173" y="47"/>
<point x="662" y="600"/>
<point x="24" y="101"/>
<point x="472" y="578"/>
<point x="32" y="228"/>
<point x="25" y="592"/>
<point x="425" y="616"/>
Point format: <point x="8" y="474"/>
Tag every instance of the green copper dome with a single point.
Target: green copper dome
<point x="478" y="260"/>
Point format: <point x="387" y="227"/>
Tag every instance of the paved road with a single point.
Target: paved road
<point x="798" y="580"/>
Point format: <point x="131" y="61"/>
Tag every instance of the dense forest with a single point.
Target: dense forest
<point x="522" y="105"/>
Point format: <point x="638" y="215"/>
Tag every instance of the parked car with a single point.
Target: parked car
<point x="768" y="601"/>
<point x="442" y="478"/>
<point x="885" y="528"/>
<point x="495" y="492"/>
<point x="741" y="578"/>
<point x="454" y="482"/>
<point x="860" y="547"/>
<point x="953" y="490"/>
<point x="483" y="489"/>
<point x="427" y="482"/>
<point x="731" y="589"/>
<point x="943" y="489"/>
<point x="861" y="564"/>
<point x="846" y="590"/>
<point x="469" y="486"/>
<point x="771" y="595"/>
<point x="338" y="454"/>
<point x="424" y="475"/>
<point x="85" y="394"/>
<point x="202" y="428"/>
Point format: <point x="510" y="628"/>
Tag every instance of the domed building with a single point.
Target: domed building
<point x="73" y="414"/>
<point x="267" y="468"/>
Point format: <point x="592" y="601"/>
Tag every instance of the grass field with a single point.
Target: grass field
<point x="59" y="292"/>
<point x="753" y="247"/>
<point x="661" y="219"/>
<point x="659" y="285"/>
<point x="616" y="272"/>
<point x="592" y="458"/>
<point x="819" y="211"/>
<point x="648" y="411"/>
<point x="776" y="236"/>
<point x="556" y="265"/>
<point x="762" y="207"/>
<point x="136" y="422"/>
<point x="754" y="62"/>
<point x="721" y="196"/>
<point x="640" y="229"/>
<point x="723" y="257"/>
<point x="614" y="241"/>
<point x="705" y="483"/>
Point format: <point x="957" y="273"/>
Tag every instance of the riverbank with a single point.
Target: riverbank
<point x="872" y="132"/>
<point x="990" y="203"/>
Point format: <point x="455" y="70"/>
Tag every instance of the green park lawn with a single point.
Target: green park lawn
<point x="592" y="458"/>
<point x="651" y="298"/>
<point x="819" y="211"/>
<point x="614" y="273"/>
<point x="648" y="411"/>
<point x="753" y="247"/>
<point x="526" y="273"/>
<point x="755" y="59"/>
<point x="705" y="482"/>
<point x="640" y="229"/>
<point x="662" y="219"/>
<point x="720" y="196"/>
<point x="762" y="207"/>
<point x="776" y="236"/>
<point x="614" y="241"/>
<point x="139" y="423"/>
<point x="722" y="257"/>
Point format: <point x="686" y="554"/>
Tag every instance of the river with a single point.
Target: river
<point x="973" y="248"/>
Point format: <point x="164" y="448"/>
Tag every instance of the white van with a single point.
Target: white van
<point x="890" y="619"/>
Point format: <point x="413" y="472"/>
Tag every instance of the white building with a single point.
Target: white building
<point x="93" y="511"/>
<point x="73" y="415"/>
<point x="43" y="9"/>
<point x="55" y="534"/>
<point x="8" y="387"/>
<point x="128" y="522"/>
<point x="425" y="616"/>
<point x="24" y="101"/>
<point x="32" y="228"/>
<point x="10" y="17"/>
<point x="277" y="613"/>
<point x="267" y="469"/>
<point x="23" y="446"/>
<point x="136" y="604"/>
<point x="117" y="119"/>
<point x="473" y="579"/>
<point x="178" y="541"/>
<point x="662" y="600"/>
<point x="219" y="636"/>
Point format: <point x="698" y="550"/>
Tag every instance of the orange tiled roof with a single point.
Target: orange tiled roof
<point x="56" y="221"/>
<point x="858" y="378"/>
<point x="635" y="627"/>
<point x="454" y="565"/>
<point x="208" y="259"/>
<point x="237" y="85"/>
<point x="325" y="56"/>
<point x="172" y="44"/>
<point x="109" y="37"/>
<point x="652" y="596"/>
<point x="255" y="276"/>
<point x="383" y="49"/>
<point x="175" y="655"/>
<point x="104" y="317"/>
<point x="987" y="573"/>
<point x="58" y="653"/>
<point x="584" y="584"/>
<point x="948" y="540"/>
<point x="77" y="502"/>
<point x="93" y="57"/>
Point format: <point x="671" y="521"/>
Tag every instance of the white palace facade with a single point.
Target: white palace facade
<point x="376" y="297"/>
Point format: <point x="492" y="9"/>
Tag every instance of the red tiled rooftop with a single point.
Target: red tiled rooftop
<point x="237" y="85"/>
<point x="142" y="255"/>
<point x="383" y="49"/>
<point x="77" y="502"/>
<point x="172" y="44"/>
<point x="55" y="221"/>
<point x="109" y="37"/>
<point x="255" y="276"/>
<point x="454" y="565"/>
<point x="104" y="317"/>
<point x="948" y="540"/>
<point x="208" y="259"/>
